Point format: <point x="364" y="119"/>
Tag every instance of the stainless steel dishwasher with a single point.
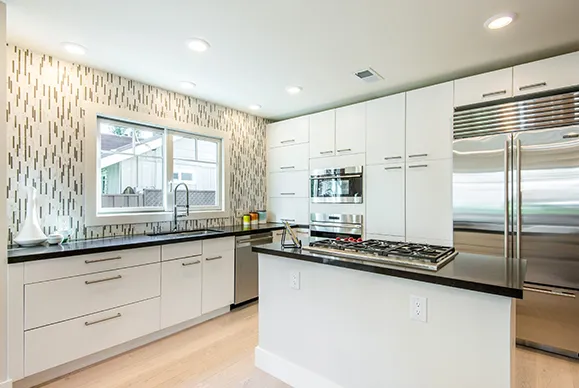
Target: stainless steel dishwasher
<point x="246" y="266"/>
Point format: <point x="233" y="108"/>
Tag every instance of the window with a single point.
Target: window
<point x="135" y="174"/>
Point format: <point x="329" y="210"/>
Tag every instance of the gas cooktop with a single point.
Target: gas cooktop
<point x="430" y="257"/>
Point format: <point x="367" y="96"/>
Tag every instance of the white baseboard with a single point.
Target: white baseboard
<point x="61" y="370"/>
<point x="288" y="372"/>
<point x="6" y="384"/>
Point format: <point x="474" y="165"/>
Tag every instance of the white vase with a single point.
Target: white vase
<point x="31" y="234"/>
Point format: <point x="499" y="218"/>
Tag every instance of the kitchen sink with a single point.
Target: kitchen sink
<point x="196" y="232"/>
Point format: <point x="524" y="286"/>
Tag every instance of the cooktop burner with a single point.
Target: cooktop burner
<point x="425" y="256"/>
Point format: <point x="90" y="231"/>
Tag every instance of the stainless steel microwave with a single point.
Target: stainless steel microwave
<point x="337" y="185"/>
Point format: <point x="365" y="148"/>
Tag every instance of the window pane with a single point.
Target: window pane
<point x="116" y="138"/>
<point x="201" y="179"/>
<point x="207" y="151"/>
<point x="183" y="147"/>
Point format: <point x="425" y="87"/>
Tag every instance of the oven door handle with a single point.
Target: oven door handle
<point x="336" y="225"/>
<point x="313" y="177"/>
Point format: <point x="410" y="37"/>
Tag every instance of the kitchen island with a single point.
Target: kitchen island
<point x="326" y="321"/>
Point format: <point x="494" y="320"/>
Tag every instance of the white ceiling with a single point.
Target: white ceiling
<point x="261" y="46"/>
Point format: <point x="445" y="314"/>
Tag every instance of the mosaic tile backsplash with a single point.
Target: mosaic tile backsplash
<point x="46" y="140"/>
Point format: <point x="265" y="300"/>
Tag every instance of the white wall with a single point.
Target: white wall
<point x="347" y="328"/>
<point x="3" y="223"/>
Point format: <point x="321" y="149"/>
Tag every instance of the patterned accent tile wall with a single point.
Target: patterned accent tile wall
<point x="46" y="140"/>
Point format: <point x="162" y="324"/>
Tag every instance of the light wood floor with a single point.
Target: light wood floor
<point x="219" y="353"/>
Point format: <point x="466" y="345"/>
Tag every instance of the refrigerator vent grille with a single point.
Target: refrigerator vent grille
<point x="539" y="113"/>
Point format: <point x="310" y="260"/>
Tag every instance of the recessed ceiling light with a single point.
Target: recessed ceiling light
<point x="255" y="107"/>
<point x="74" y="48"/>
<point x="293" y="89"/>
<point x="198" y="45"/>
<point x="187" y="85"/>
<point x="499" y="21"/>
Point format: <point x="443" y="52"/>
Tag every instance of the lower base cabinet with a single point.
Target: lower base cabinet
<point x="60" y="343"/>
<point x="218" y="280"/>
<point x="180" y="290"/>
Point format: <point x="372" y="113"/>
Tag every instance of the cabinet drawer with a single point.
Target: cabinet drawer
<point x="291" y="158"/>
<point x="289" y="184"/>
<point x="484" y="87"/>
<point x="288" y="132"/>
<point x="219" y="245"/>
<point x="294" y="210"/>
<point x="181" y="250"/>
<point x="39" y="271"/>
<point x="59" y="300"/>
<point x="57" y="344"/>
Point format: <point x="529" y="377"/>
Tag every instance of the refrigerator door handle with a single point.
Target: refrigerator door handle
<point x="506" y="199"/>
<point x="519" y="200"/>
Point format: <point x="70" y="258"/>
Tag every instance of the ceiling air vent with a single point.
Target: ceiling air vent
<point x="368" y="75"/>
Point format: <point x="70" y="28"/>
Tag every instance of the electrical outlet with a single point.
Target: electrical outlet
<point x="295" y="280"/>
<point x="418" y="308"/>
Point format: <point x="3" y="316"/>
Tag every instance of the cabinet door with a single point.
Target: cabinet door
<point x="351" y="129"/>
<point x="218" y="277"/>
<point x="290" y="158"/>
<point x="386" y="129"/>
<point x="180" y="291"/>
<point x="294" y="210"/>
<point x="484" y="87"/>
<point x="288" y="132"/>
<point x="429" y="200"/>
<point x="548" y="74"/>
<point x="385" y="200"/>
<point x="289" y="184"/>
<point x="429" y="123"/>
<point x="322" y="134"/>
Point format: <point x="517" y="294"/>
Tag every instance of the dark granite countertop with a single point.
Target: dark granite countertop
<point x="82" y="247"/>
<point x="488" y="274"/>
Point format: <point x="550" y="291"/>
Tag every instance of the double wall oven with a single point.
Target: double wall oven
<point x="337" y="185"/>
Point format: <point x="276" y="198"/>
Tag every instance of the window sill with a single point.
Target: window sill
<point x="145" y="217"/>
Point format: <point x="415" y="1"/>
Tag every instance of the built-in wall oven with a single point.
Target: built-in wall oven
<point x="335" y="225"/>
<point x="337" y="185"/>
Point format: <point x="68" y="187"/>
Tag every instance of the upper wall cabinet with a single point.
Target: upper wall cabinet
<point x="385" y="129"/>
<point x="288" y="132"/>
<point x="548" y="74"/>
<point x="290" y="158"/>
<point x="350" y="129"/>
<point x="429" y="122"/>
<point x="484" y="87"/>
<point x="323" y="134"/>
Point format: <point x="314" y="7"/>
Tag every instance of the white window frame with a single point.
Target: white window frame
<point x="92" y="159"/>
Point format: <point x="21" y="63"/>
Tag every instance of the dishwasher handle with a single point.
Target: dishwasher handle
<point x="250" y="241"/>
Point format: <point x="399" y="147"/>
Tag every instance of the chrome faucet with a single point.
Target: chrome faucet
<point x="176" y="207"/>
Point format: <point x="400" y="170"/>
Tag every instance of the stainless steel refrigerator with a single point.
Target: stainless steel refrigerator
<point x="516" y="193"/>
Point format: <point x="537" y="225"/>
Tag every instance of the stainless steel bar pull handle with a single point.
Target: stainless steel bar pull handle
<point x="497" y="93"/>
<point x="287" y="141"/>
<point x="101" y="260"/>
<point x="393" y="168"/>
<point x="254" y="239"/>
<point x="392" y="157"/>
<point x="287" y="167"/>
<point x="288" y="219"/>
<point x="549" y="292"/>
<point x="190" y="263"/>
<point x="326" y="152"/>
<point x="532" y="86"/>
<point x="418" y="166"/>
<point x="506" y="161"/>
<point x="102" y="320"/>
<point x="519" y="200"/>
<point x="214" y="258"/>
<point x="288" y="193"/>
<point x="103" y="280"/>
<point x="571" y="136"/>
<point x="418" y="156"/>
<point x="345" y="149"/>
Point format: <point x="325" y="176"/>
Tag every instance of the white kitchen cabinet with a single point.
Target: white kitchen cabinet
<point x="290" y="158"/>
<point x="218" y="280"/>
<point x="184" y="250"/>
<point x="429" y="122"/>
<point x="294" y="210"/>
<point x="293" y="184"/>
<point x="322" y="134"/>
<point x="180" y="291"/>
<point x="547" y="74"/>
<point x="385" y="201"/>
<point x="429" y="200"/>
<point x="53" y="345"/>
<point x="386" y="129"/>
<point x="484" y="87"/>
<point x="351" y="129"/>
<point x="288" y="132"/>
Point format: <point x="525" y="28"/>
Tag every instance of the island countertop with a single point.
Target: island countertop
<point x="482" y="273"/>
